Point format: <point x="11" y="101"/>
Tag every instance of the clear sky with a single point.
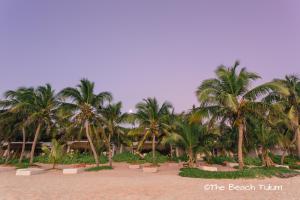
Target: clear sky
<point x="140" y="48"/>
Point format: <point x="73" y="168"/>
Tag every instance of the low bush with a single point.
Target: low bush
<point x="73" y="158"/>
<point x="183" y="158"/>
<point x="252" y="161"/>
<point x="219" y="160"/>
<point x="126" y="157"/>
<point x="257" y="172"/>
<point x="93" y="169"/>
<point x="159" y="158"/>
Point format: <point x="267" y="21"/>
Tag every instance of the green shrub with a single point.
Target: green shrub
<point x="159" y="158"/>
<point x="126" y="157"/>
<point x="183" y="158"/>
<point x="91" y="169"/>
<point x="220" y="160"/>
<point x="252" y="161"/>
<point x="73" y="158"/>
<point x="256" y="172"/>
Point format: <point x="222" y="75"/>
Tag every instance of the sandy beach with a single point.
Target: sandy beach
<point x="123" y="183"/>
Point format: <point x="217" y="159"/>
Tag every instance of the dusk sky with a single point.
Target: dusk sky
<point x="138" y="48"/>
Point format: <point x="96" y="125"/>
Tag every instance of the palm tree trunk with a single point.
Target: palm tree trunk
<point x="171" y="150"/>
<point x="109" y="152"/>
<point x="298" y="141"/>
<point x="191" y="158"/>
<point x="153" y="147"/>
<point x="23" y="145"/>
<point x="283" y="156"/>
<point x="177" y="151"/>
<point x="8" y="152"/>
<point x="91" y="143"/>
<point x="240" y="146"/>
<point x="121" y="148"/>
<point x="36" y="136"/>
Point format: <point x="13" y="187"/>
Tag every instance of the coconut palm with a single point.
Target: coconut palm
<point x="289" y="100"/>
<point x="151" y="118"/>
<point x="38" y="106"/>
<point x="84" y="103"/>
<point x="228" y="98"/>
<point x="43" y="104"/>
<point x="13" y="99"/>
<point x="112" y="118"/>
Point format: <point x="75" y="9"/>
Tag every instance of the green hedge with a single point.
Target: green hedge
<point x="246" y="173"/>
<point x="126" y="157"/>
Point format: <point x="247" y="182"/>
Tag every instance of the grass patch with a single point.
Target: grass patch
<point x="252" y="161"/>
<point x="94" y="169"/>
<point x="257" y="172"/>
<point x="15" y="162"/>
<point x="219" y="160"/>
<point x="159" y="158"/>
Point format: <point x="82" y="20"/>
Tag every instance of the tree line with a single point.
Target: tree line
<point x="232" y="117"/>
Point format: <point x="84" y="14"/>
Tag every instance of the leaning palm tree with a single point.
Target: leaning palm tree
<point x="84" y="103"/>
<point x="289" y="100"/>
<point x="151" y="118"/>
<point x="43" y="105"/>
<point x="112" y="117"/>
<point x="228" y="98"/>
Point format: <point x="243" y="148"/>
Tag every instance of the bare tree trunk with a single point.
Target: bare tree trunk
<point x="171" y="150"/>
<point x="283" y="156"/>
<point x="91" y="143"/>
<point x="153" y="147"/>
<point x="36" y="136"/>
<point x="8" y="152"/>
<point x="240" y="146"/>
<point x="23" y="145"/>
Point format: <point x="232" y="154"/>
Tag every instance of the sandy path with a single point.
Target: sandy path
<point x="122" y="183"/>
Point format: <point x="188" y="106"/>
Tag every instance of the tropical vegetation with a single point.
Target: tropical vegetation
<point x="235" y="117"/>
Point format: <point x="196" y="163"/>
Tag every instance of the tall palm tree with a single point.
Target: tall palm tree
<point x="228" y="97"/>
<point x="289" y="99"/>
<point x="84" y="103"/>
<point x="13" y="99"/>
<point x="151" y="118"/>
<point x="112" y="118"/>
<point x="37" y="106"/>
<point x="43" y="104"/>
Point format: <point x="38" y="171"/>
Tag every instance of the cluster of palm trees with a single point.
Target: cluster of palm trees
<point x="232" y="117"/>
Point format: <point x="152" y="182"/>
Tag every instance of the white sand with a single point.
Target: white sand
<point x="128" y="184"/>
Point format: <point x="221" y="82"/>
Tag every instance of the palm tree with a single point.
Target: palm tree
<point x="43" y="105"/>
<point x="192" y="137"/>
<point x="112" y="118"/>
<point x="13" y="99"/>
<point x="228" y="98"/>
<point x="37" y="106"/>
<point x="84" y="104"/>
<point x="151" y="118"/>
<point x="289" y="99"/>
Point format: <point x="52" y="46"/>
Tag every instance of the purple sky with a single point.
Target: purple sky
<point x="140" y="48"/>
